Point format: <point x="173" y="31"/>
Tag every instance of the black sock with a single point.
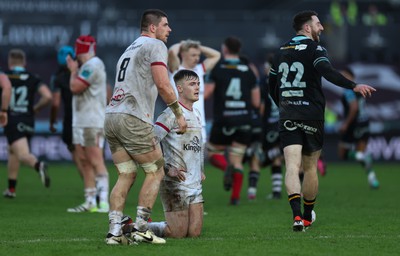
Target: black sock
<point x="253" y="178"/>
<point x="308" y="207"/>
<point x="295" y="203"/>
<point x="12" y="184"/>
<point x="37" y="166"/>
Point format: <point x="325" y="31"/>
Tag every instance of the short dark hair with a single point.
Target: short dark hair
<point x="16" y="56"/>
<point x="233" y="44"/>
<point x="301" y="18"/>
<point x="184" y="74"/>
<point x="151" y="16"/>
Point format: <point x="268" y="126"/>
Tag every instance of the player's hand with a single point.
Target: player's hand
<point x="182" y="125"/>
<point x="3" y="119"/>
<point x="72" y="64"/>
<point x="174" y="172"/>
<point x="364" y="90"/>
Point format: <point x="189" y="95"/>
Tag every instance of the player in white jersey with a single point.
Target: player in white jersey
<point x="190" y="52"/>
<point x="181" y="188"/>
<point x="141" y="72"/>
<point x="89" y="88"/>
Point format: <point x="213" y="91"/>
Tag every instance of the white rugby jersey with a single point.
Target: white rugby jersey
<point x="199" y="105"/>
<point x="185" y="150"/>
<point x="135" y="92"/>
<point x="89" y="106"/>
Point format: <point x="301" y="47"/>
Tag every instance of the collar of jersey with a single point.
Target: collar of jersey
<point x="18" y="69"/>
<point x="233" y="61"/>
<point x="300" y="37"/>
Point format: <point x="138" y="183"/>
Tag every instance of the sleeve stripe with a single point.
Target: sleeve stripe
<point x="83" y="81"/>
<point x="158" y="64"/>
<point x="320" y="59"/>
<point x="163" y="126"/>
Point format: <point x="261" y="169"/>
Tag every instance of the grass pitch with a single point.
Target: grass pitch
<point x="352" y="219"/>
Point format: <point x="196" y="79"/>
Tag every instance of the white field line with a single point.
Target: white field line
<point x="78" y="240"/>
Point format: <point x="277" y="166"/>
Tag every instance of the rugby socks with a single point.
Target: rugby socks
<point x="219" y="161"/>
<point x="276" y="176"/>
<point x="253" y="178"/>
<point x="102" y="187"/>
<point x="158" y="228"/>
<point x="236" y="185"/>
<point x="115" y="218"/>
<point x="90" y="196"/>
<point x="37" y="165"/>
<point x="308" y="207"/>
<point x="295" y="204"/>
<point x="142" y="218"/>
<point x="12" y="184"/>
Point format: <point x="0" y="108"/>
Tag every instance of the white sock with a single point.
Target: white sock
<point x="102" y="187"/>
<point x="114" y="218"/>
<point x="158" y="228"/>
<point x="142" y="217"/>
<point x="90" y="196"/>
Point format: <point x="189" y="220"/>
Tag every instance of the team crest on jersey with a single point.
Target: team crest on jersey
<point x="320" y="48"/>
<point x="86" y="73"/>
<point x="300" y="47"/>
<point x="194" y="145"/>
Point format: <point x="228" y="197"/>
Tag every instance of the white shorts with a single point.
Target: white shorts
<point x="88" y="136"/>
<point x="176" y="197"/>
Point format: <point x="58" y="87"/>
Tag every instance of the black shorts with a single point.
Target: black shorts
<point x="67" y="136"/>
<point x="222" y="134"/>
<point x="309" y="134"/>
<point x="270" y="136"/>
<point x="356" y="133"/>
<point x="19" y="127"/>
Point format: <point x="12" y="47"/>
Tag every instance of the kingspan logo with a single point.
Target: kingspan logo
<point x="194" y="145"/>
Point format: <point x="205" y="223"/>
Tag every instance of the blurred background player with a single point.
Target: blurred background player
<point x="236" y="93"/>
<point x="62" y="94"/>
<point x="355" y="131"/>
<point x="5" y="92"/>
<point x="21" y="119"/>
<point x="187" y="55"/>
<point x="89" y="88"/>
<point x="269" y="153"/>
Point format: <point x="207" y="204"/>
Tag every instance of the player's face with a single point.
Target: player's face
<point x="191" y="89"/>
<point x="191" y="57"/>
<point x="163" y="30"/>
<point x="316" y="28"/>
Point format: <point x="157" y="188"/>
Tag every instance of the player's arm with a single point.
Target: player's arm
<point x="325" y="68"/>
<point x="273" y="86"/>
<point x="173" y="57"/>
<point x="212" y="57"/>
<point x="76" y="84"/>
<point x="256" y="97"/>
<point x="45" y="98"/>
<point x="167" y="93"/>
<point x="5" y="85"/>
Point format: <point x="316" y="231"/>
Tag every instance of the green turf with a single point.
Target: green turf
<point x="351" y="218"/>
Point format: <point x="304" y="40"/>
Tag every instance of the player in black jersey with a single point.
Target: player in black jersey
<point x="5" y="97"/>
<point x="62" y="93"/>
<point x="235" y="94"/>
<point x="21" y="121"/>
<point x="295" y="83"/>
<point x="355" y="131"/>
